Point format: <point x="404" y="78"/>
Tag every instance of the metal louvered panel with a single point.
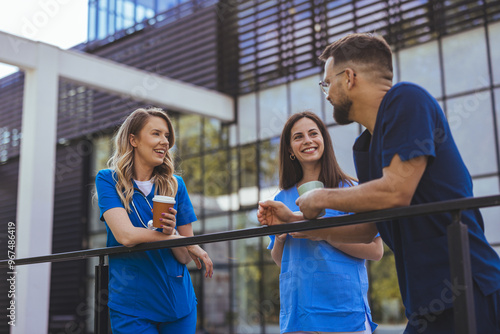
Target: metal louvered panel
<point x="182" y="51"/>
<point x="279" y="41"/>
<point x="8" y="196"/>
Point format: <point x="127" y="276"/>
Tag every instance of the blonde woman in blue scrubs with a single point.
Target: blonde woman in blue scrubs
<point x="150" y="292"/>
<point x="323" y="285"/>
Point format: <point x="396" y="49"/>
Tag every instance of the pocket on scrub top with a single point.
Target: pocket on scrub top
<point x="181" y="296"/>
<point x="336" y="292"/>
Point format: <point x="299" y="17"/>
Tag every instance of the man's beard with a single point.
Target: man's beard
<point x="341" y="111"/>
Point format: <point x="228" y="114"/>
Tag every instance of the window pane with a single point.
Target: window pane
<point x="213" y="133"/>
<point x="465" y="61"/>
<point x="232" y="135"/>
<point x="395" y="67"/>
<point x="245" y="251"/>
<point x="270" y="305"/>
<point x="128" y="11"/>
<point x="269" y="168"/>
<point x="198" y="280"/>
<point x="247" y="118"/>
<point x="102" y="152"/>
<point x="218" y="251"/>
<point x="92" y="30"/>
<point x="305" y="94"/>
<point x="191" y="174"/>
<point x="216" y="302"/>
<point x="102" y="25"/>
<point x="119" y="7"/>
<point x="235" y="172"/>
<point x="217" y="178"/>
<point x="188" y="136"/>
<point x="343" y="137"/>
<point x="163" y="5"/>
<point x="488" y="187"/>
<point x="248" y="175"/>
<point x="217" y="224"/>
<point x="420" y="65"/>
<point x="273" y="110"/>
<point x="471" y="123"/>
<point x="103" y="4"/>
<point x="246" y="313"/>
<point x="386" y="303"/>
<point x="497" y="110"/>
<point x="327" y="111"/>
<point x="494" y="31"/>
<point x="144" y="10"/>
<point x="111" y="22"/>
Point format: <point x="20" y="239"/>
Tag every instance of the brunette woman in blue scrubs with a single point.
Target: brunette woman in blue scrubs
<point x="323" y="285"/>
<point x="149" y="292"/>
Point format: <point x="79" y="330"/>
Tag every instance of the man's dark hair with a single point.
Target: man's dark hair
<point x="361" y="48"/>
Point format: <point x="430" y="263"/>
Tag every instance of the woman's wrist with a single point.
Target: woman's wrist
<point x="296" y="216"/>
<point x="280" y="238"/>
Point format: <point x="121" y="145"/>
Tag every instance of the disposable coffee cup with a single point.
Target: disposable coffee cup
<point x="161" y="204"/>
<point x="308" y="186"/>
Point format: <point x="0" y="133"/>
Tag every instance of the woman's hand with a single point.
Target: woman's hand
<point x="276" y="213"/>
<point x="313" y="235"/>
<point x="281" y="237"/>
<point x="198" y="255"/>
<point x="308" y="203"/>
<point x="168" y="221"/>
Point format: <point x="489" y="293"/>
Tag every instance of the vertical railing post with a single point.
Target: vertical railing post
<point x="461" y="276"/>
<point x="101" y="298"/>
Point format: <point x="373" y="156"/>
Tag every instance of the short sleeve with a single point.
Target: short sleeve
<point x="107" y="197"/>
<point x="271" y="242"/>
<point x="185" y="212"/>
<point x="408" y="123"/>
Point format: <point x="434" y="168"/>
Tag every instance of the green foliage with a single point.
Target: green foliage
<point x="386" y="304"/>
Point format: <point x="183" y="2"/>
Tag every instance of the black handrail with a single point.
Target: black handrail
<point x="457" y="242"/>
<point x="372" y="216"/>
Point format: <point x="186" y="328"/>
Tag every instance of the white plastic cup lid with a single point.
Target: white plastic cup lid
<point x="164" y="199"/>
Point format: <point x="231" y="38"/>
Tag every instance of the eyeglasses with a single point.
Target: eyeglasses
<point x="325" y="87"/>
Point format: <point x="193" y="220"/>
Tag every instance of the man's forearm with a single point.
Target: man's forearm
<point x="370" y="196"/>
<point x="358" y="233"/>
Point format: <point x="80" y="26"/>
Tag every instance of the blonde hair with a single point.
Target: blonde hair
<point x="122" y="160"/>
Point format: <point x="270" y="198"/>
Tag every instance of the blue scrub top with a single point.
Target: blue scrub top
<point x="410" y="123"/>
<point x="150" y="284"/>
<point x="321" y="288"/>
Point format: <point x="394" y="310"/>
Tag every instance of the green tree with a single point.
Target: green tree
<point x="386" y="303"/>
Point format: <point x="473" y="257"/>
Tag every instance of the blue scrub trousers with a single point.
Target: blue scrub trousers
<point x="129" y="324"/>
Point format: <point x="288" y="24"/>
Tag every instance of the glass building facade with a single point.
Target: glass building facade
<point x="264" y="54"/>
<point x="110" y="19"/>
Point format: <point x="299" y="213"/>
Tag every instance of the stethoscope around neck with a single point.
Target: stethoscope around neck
<point x="149" y="226"/>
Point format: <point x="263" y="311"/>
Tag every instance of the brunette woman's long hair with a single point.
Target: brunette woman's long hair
<point x="122" y="160"/>
<point x="291" y="171"/>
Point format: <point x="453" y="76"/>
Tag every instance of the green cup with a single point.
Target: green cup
<point x="310" y="186"/>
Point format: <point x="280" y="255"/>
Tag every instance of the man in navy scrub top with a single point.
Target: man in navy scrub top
<point x="405" y="156"/>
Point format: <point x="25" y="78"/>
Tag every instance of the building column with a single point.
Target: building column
<point x="36" y="191"/>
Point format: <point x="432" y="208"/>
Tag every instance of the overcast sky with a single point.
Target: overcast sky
<point x="62" y="23"/>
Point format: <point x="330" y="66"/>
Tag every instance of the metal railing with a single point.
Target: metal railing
<point x="458" y="245"/>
